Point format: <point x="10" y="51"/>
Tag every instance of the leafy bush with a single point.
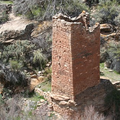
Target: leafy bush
<point x="1" y="100"/>
<point x="114" y="49"/>
<point x="39" y="59"/>
<point x="6" y="1"/>
<point x="17" y="51"/>
<point x="20" y="56"/>
<point x="113" y="53"/>
<point x="106" y="1"/>
<point x="43" y="40"/>
<point x="13" y="110"/>
<point x="15" y="65"/>
<point x="91" y="3"/>
<point x="14" y="57"/>
<point x="47" y="8"/>
<point x="3" y="18"/>
<point x="106" y="12"/>
<point x="14" y="77"/>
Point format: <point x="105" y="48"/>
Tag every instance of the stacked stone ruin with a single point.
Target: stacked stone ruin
<point x="75" y="60"/>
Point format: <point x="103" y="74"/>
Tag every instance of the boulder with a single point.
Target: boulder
<point x="109" y="37"/>
<point x="8" y="42"/>
<point x="7" y="35"/>
<point x="41" y="78"/>
<point x="16" y="28"/>
<point x="98" y="96"/>
<point x="108" y="63"/>
<point x="116" y="65"/>
<point x="106" y="28"/>
<point x="59" y="97"/>
<point x="22" y="32"/>
<point x="35" y="81"/>
<point x="1" y="87"/>
<point x="92" y="95"/>
<point x="103" y="55"/>
<point x="33" y="76"/>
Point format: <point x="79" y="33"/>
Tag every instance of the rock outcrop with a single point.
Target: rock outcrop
<point x="109" y="52"/>
<point x="17" y="28"/>
<point x="35" y="81"/>
<point x="95" y="96"/>
<point x="106" y="28"/>
<point x="41" y="36"/>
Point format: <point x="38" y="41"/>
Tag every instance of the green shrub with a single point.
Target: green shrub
<point x="47" y="8"/>
<point x="36" y="11"/>
<point x="16" y="56"/>
<point x="13" y="77"/>
<point x="20" y="56"/>
<point x="113" y="59"/>
<point x="3" y="17"/>
<point x="15" y="65"/>
<point x="1" y="100"/>
<point x="107" y="12"/>
<point x="73" y="8"/>
<point x="117" y="21"/>
<point x="48" y="74"/>
<point x="29" y="14"/>
<point x="39" y="58"/>
<point x="108" y="1"/>
<point x="6" y="2"/>
<point x="17" y="51"/>
<point x="114" y="49"/>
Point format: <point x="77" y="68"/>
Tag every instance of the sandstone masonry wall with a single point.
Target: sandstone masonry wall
<point x="75" y="57"/>
<point x="75" y="62"/>
<point x="62" y="83"/>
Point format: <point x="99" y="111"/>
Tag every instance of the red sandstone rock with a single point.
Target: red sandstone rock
<point x="59" y="98"/>
<point x="106" y="27"/>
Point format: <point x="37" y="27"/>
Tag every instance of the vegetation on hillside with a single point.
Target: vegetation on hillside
<point x="45" y="9"/>
<point x="107" y="12"/>
<point x="3" y="17"/>
<point x="20" y="57"/>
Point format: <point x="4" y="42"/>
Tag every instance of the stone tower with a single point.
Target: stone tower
<point x="75" y="57"/>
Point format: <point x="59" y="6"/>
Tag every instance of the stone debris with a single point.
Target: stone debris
<point x="59" y="97"/>
<point x="106" y="28"/>
<point x="35" y="80"/>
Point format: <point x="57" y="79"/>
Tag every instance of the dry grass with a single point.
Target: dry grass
<point x="91" y="114"/>
<point x="12" y="110"/>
